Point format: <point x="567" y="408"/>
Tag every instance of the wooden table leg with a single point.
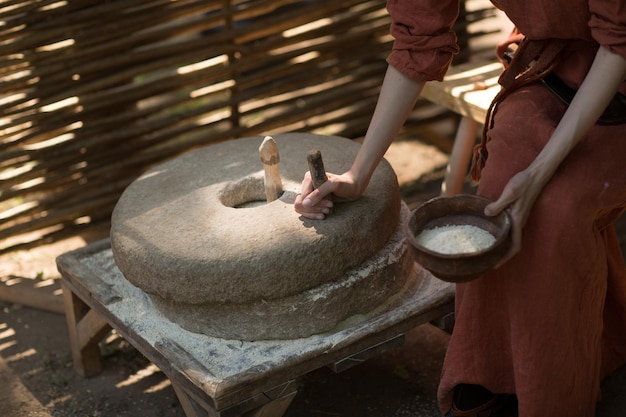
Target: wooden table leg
<point x="85" y="328"/>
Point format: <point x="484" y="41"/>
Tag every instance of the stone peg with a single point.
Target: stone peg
<point x="268" y="152"/>
<point x="316" y="168"/>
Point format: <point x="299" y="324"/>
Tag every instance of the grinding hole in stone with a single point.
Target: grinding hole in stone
<point x="246" y="193"/>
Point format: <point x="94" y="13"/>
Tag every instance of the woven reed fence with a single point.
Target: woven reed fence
<point x="94" y="92"/>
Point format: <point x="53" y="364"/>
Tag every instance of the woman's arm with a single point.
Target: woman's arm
<point x="396" y="100"/>
<point x="607" y="73"/>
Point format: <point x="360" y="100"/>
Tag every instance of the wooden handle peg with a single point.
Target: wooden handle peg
<point x="316" y="168"/>
<point x="268" y="152"/>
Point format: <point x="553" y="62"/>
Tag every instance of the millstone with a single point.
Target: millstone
<point x="196" y="235"/>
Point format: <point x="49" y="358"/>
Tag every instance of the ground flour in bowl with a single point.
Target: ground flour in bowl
<point x="455" y="239"/>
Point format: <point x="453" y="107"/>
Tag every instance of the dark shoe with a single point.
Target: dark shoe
<point x="500" y="405"/>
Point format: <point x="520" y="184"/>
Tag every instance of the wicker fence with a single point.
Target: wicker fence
<point x="94" y="92"/>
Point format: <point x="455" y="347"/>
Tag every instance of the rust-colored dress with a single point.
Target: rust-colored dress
<point x="551" y="323"/>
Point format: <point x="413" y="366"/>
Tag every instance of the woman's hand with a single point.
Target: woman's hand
<point x="313" y="203"/>
<point x="518" y="198"/>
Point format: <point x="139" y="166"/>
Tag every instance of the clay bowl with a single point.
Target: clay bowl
<point x="458" y="210"/>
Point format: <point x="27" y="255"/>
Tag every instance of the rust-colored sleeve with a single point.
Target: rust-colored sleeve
<point x="608" y="24"/>
<point x="423" y="41"/>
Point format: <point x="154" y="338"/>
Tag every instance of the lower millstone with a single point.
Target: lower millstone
<point x="376" y="285"/>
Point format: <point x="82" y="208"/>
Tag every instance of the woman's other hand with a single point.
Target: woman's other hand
<point x="518" y="197"/>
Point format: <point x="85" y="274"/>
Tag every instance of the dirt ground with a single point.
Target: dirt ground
<point x="37" y="377"/>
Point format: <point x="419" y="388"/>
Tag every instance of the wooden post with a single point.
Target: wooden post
<point x="460" y="157"/>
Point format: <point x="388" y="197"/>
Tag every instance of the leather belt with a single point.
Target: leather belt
<point x="615" y="113"/>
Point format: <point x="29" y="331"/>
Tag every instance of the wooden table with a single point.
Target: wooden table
<point x="216" y="377"/>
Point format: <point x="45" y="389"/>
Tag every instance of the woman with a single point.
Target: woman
<point x="536" y="335"/>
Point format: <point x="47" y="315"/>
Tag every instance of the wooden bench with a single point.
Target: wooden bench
<point x="216" y="377"/>
<point x="468" y="89"/>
